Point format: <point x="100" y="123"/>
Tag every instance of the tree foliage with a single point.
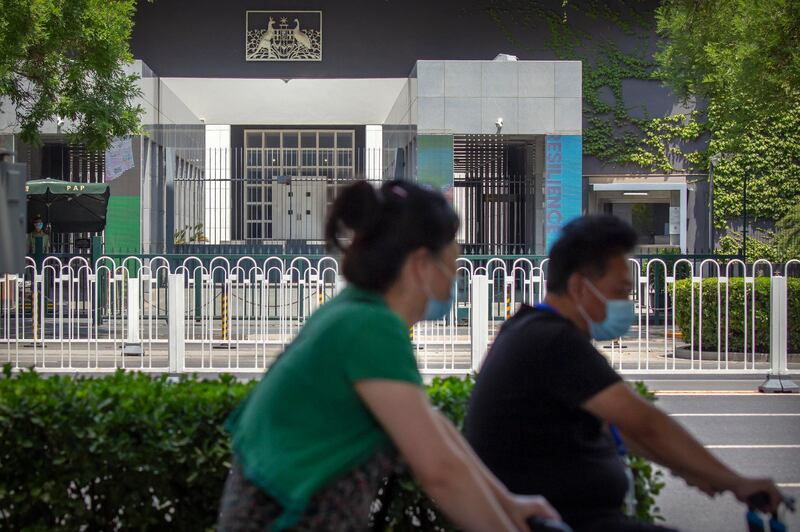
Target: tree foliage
<point x="741" y="57"/>
<point x="65" y="59"/>
<point x="734" y="49"/>
<point x="764" y="153"/>
<point x="787" y="238"/>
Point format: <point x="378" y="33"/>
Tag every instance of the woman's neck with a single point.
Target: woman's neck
<point x="403" y="304"/>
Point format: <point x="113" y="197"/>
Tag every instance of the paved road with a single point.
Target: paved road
<point x="756" y="434"/>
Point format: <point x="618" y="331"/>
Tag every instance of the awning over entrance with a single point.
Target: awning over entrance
<point x="644" y="192"/>
<point x="67" y="206"/>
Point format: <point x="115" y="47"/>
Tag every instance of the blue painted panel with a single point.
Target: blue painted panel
<point x="563" y="183"/>
<point x="435" y="161"/>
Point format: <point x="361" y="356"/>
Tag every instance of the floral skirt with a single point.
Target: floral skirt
<point x="343" y="505"/>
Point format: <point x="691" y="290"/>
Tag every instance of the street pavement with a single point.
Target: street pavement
<point x="756" y="434"/>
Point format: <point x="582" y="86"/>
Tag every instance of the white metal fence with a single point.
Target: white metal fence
<point x="196" y="315"/>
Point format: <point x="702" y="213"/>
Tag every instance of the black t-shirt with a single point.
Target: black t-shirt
<point x="526" y="423"/>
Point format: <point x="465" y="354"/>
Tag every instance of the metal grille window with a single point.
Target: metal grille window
<point x="273" y="157"/>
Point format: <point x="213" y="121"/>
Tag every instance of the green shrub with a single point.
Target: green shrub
<point x="130" y="451"/>
<point x="122" y="452"/>
<point x="736" y="291"/>
<point x="648" y="480"/>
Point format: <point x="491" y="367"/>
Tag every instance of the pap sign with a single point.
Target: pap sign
<point x="563" y="183"/>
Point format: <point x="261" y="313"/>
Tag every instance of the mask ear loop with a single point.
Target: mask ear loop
<point x="581" y="310"/>
<point x="584" y="314"/>
<point x="595" y="290"/>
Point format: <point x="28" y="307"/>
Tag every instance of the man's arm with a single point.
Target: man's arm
<point x="660" y="438"/>
<point x="635" y="449"/>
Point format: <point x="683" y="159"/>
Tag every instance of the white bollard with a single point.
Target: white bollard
<point x="778" y="380"/>
<point x="176" y="318"/>
<point x="133" y="344"/>
<point x="479" y="319"/>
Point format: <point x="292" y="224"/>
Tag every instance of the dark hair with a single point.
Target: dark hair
<point x="384" y="226"/>
<point x="585" y="246"/>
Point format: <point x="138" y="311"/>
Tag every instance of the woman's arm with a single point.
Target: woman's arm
<point x="442" y="468"/>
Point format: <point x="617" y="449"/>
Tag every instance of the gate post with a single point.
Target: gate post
<point x="133" y="345"/>
<point x="778" y="380"/>
<point x="479" y="319"/>
<point x="176" y="319"/>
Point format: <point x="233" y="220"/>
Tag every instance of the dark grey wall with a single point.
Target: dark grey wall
<point x="360" y="38"/>
<point x="381" y="38"/>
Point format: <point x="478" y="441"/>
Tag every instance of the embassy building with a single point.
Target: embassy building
<point x="258" y="113"/>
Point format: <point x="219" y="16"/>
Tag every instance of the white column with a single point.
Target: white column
<point x="373" y="158"/>
<point x="176" y="317"/>
<point x="479" y="319"/>
<point x="217" y="223"/>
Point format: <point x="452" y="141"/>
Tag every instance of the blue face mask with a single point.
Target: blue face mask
<point x="619" y="317"/>
<point x="437" y="309"/>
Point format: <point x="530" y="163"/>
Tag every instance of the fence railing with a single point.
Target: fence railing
<point x="218" y="314"/>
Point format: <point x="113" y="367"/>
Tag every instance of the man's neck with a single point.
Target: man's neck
<point x="566" y="308"/>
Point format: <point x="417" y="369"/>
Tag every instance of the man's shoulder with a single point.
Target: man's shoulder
<point x="530" y="321"/>
<point x="540" y="335"/>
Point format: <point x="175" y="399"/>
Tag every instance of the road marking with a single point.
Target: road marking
<point x="756" y="380"/>
<point x="778" y="446"/>
<point x="721" y="392"/>
<point x="789" y="484"/>
<point x="736" y="415"/>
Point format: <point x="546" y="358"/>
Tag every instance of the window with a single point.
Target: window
<point x="305" y="155"/>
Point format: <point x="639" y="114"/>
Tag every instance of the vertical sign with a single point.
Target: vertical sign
<point x="563" y="183"/>
<point x="435" y="162"/>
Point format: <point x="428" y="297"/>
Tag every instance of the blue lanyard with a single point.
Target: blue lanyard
<point x="547" y="308"/>
<point x="621" y="451"/>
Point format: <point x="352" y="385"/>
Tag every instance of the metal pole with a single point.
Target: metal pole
<point x="176" y="318"/>
<point x="711" y="209"/>
<point x="744" y="220"/>
<point x="133" y="345"/>
<point x="224" y="312"/>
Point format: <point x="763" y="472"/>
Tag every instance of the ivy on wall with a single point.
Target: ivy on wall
<point x="611" y="133"/>
<point x="766" y="155"/>
<point x="767" y="152"/>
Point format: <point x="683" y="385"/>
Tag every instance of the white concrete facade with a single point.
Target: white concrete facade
<point x="472" y="97"/>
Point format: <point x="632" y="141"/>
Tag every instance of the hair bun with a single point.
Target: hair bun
<point x="356" y="208"/>
<point x="359" y="206"/>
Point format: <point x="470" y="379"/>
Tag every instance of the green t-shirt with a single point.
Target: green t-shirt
<point x="305" y="424"/>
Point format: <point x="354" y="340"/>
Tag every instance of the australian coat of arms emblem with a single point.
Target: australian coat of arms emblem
<point x="284" y="36"/>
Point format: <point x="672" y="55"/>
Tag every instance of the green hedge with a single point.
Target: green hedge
<point x="130" y="451"/>
<point x="126" y="451"/>
<point x="736" y="292"/>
